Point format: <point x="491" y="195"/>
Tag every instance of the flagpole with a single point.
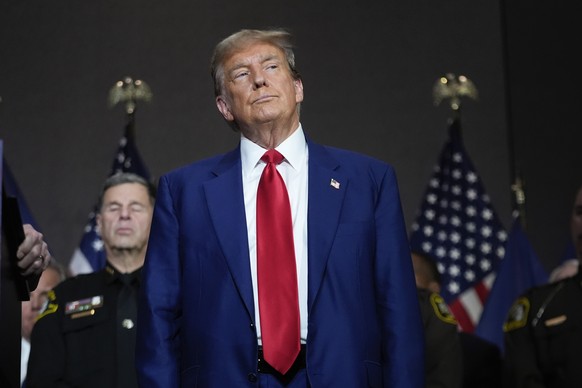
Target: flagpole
<point x="129" y="91"/>
<point x="517" y="180"/>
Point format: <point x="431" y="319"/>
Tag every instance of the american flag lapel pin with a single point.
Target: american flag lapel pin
<point x="335" y="184"/>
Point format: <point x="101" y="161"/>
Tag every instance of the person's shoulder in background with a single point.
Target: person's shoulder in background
<point x="566" y="269"/>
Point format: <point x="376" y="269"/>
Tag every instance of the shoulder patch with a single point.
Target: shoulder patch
<point x="517" y="316"/>
<point x="50" y="307"/>
<point x="441" y="309"/>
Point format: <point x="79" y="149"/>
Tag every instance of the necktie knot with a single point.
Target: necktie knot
<point x="126" y="279"/>
<point x="272" y="156"/>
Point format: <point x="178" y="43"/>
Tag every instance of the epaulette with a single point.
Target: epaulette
<point x="441" y="309"/>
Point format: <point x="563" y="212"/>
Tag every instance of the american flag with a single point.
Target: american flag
<point x="89" y="256"/>
<point x="457" y="226"/>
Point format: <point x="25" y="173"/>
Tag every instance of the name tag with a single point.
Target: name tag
<point x="555" y="321"/>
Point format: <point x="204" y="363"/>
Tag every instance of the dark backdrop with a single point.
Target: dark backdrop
<point x="368" y="69"/>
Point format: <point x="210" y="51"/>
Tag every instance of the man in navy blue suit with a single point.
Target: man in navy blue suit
<point x="199" y="319"/>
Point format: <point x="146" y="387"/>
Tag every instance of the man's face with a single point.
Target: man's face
<point x="259" y="88"/>
<point x="576" y="224"/>
<point x="125" y="217"/>
<point x="38" y="299"/>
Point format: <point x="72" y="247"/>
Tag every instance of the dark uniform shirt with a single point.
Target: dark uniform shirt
<point x="443" y="358"/>
<point x="543" y="337"/>
<point x="482" y="362"/>
<point x="86" y="335"/>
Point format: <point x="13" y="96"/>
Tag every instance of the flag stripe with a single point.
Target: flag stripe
<point x="482" y="289"/>
<point x="471" y="300"/>
<point x="458" y="310"/>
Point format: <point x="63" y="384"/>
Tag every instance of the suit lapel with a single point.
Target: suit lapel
<point x="226" y="206"/>
<point x="224" y="195"/>
<point x="327" y="187"/>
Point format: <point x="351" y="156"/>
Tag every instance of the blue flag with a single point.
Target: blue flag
<point x="90" y="255"/>
<point x="12" y="190"/>
<point x="457" y="226"/>
<point x="519" y="270"/>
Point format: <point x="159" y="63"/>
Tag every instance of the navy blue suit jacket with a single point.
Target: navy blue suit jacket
<point x="196" y="314"/>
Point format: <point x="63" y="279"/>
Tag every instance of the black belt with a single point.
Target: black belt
<point x="264" y="367"/>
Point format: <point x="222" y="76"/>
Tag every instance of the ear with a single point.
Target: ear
<point x="98" y="224"/>
<point x="298" y="90"/>
<point x="434" y="287"/>
<point x="224" y="109"/>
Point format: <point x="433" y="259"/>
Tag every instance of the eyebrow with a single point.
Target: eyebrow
<point x="117" y="203"/>
<point x="245" y="62"/>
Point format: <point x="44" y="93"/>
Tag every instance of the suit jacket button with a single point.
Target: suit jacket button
<point x="252" y="377"/>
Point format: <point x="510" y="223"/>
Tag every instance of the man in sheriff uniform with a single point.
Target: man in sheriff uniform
<point x="543" y="331"/>
<point x="86" y="335"/>
<point x="443" y="352"/>
<point x="443" y="358"/>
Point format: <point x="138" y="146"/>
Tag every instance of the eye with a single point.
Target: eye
<point x="112" y="208"/>
<point x="137" y="207"/>
<point x="240" y="74"/>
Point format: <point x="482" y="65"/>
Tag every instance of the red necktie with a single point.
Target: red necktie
<point x="276" y="270"/>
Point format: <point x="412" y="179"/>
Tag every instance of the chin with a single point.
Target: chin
<point x="125" y="247"/>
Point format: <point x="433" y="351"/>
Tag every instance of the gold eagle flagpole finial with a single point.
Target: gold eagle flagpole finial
<point x="452" y="87"/>
<point x="129" y="91"/>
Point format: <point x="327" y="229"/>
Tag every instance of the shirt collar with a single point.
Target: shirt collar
<point x="293" y="149"/>
<point x="111" y="274"/>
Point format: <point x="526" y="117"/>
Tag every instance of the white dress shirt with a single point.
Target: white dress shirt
<point x="294" y="171"/>
<point x="24" y="353"/>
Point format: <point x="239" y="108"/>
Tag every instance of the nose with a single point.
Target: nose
<point x="259" y="79"/>
<point x="124" y="212"/>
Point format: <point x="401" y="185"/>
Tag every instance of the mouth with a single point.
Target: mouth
<point x="264" y="98"/>
<point x="124" y="231"/>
